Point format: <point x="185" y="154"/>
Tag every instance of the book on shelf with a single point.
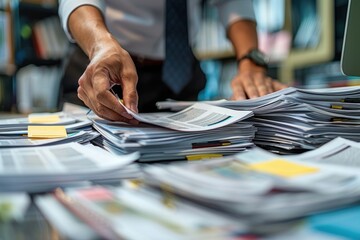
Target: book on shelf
<point x="37" y="88"/>
<point x="49" y="39"/>
<point x="274" y="40"/>
<point x="6" y="39"/>
<point x="51" y="3"/>
<point x="211" y="41"/>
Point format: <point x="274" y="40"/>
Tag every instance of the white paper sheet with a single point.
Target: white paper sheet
<point x="198" y="117"/>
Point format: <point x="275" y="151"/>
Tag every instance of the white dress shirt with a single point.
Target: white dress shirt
<point x="139" y="24"/>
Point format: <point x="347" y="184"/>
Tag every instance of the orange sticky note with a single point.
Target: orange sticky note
<point x="283" y="168"/>
<point x="46" y="132"/>
<point x="44" y="118"/>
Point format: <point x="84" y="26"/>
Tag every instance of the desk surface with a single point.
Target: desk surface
<point x="34" y="226"/>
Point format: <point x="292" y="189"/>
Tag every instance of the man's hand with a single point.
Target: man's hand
<point x="252" y="84"/>
<point x="251" y="80"/>
<point x="110" y="64"/>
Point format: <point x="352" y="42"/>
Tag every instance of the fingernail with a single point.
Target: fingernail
<point x="134" y="122"/>
<point x="239" y="98"/>
<point x="133" y="108"/>
<point x="126" y="115"/>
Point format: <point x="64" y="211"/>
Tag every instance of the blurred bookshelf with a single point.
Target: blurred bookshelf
<point x="322" y="68"/>
<point x="39" y="33"/>
<point x="6" y="38"/>
<point x="216" y="51"/>
<point x="7" y="51"/>
<point x="313" y="37"/>
<point x="36" y="57"/>
<point x="303" y="38"/>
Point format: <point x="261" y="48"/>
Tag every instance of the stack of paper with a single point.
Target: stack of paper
<point x="200" y="131"/>
<point x="45" y="129"/>
<point x="119" y="213"/>
<point x="13" y="206"/>
<point x="312" y="118"/>
<point x="293" y="120"/>
<point x="258" y="187"/>
<point x="339" y="151"/>
<point x="44" y="168"/>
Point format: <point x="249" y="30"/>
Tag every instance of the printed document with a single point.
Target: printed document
<point x="198" y="117"/>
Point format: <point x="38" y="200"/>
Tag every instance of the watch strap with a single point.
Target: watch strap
<point x="263" y="63"/>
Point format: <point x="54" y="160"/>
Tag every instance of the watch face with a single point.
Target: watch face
<point x="258" y="57"/>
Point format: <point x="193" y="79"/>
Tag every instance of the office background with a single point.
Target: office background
<point x="303" y="39"/>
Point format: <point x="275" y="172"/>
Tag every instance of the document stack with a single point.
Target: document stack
<point x="310" y="119"/>
<point x="252" y="192"/>
<point x="42" y="129"/>
<point x="295" y="120"/>
<point x="101" y="212"/>
<point x="258" y="187"/>
<point x="198" y="132"/>
<point x="44" y="168"/>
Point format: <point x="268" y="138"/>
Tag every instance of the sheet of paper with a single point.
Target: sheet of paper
<point x="44" y="168"/>
<point x="131" y="208"/>
<point x="13" y="206"/>
<point x="339" y="151"/>
<point x="64" y="159"/>
<point x="248" y="104"/>
<point x="303" y="119"/>
<point x="81" y="137"/>
<point x="198" y="117"/>
<point x="231" y="185"/>
<point x="62" y="219"/>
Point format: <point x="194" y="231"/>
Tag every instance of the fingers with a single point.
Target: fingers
<point x="110" y="65"/>
<point x="268" y="83"/>
<point x="129" y="80"/>
<point x="238" y="90"/>
<point x="252" y="85"/>
<point x="278" y="85"/>
<point x="251" y="89"/>
<point x="103" y="97"/>
<point x="244" y="87"/>
<point x="93" y="91"/>
<point x="102" y="111"/>
<point x="262" y="85"/>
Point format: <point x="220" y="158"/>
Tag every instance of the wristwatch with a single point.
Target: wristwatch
<point x="257" y="57"/>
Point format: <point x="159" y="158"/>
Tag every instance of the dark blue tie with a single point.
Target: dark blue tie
<point x="177" y="69"/>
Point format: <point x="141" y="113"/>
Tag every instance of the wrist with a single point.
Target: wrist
<point x="248" y="66"/>
<point x="104" y="41"/>
<point x="254" y="57"/>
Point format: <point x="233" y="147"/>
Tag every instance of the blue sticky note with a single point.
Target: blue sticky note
<point x="344" y="222"/>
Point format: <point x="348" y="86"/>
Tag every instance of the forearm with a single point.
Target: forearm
<point x="243" y="36"/>
<point x="87" y="26"/>
<point x="251" y="80"/>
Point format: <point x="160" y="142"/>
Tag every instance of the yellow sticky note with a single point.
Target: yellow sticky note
<point x="46" y="132"/>
<point x="168" y="196"/>
<point x="135" y="183"/>
<point x="44" y="118"/>
<point x="203" y="156"/>
<point x="283" y="168"/>
<point x="336" y="106"/>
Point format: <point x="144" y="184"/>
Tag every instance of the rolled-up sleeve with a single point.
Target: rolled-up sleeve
<point x="66" y="7"/>
<point x="231" y="11"/>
